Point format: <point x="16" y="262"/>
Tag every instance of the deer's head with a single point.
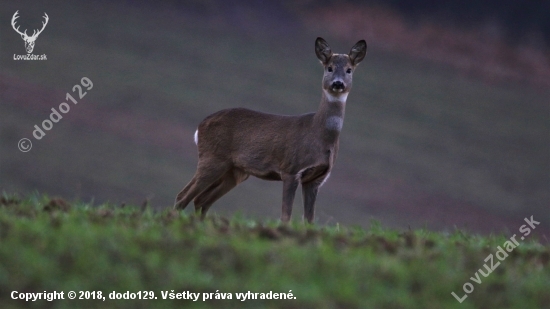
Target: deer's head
<point x="29" y="40"/>
<point x="339" y="67"/>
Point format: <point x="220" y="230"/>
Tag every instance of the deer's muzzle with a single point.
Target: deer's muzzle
<point x="338" y="86"/>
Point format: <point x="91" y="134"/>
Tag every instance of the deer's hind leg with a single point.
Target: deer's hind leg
<point x="229" y="180"/>
<point x="207" y="174"/>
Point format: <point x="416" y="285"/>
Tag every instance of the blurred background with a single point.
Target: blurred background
<point x="448" y="124"/>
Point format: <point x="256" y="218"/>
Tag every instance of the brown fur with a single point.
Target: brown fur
<point x="235" y="143"/>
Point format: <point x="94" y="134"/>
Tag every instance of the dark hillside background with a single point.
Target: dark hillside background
<point x="447" y="125"/>
<point x="517" y="19"/>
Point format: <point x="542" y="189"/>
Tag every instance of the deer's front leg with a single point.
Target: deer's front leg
<point x="309" y="194"/>
<point x="290" y="183"/>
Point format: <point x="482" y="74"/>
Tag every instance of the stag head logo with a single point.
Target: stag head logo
<point x="29" y="40"/>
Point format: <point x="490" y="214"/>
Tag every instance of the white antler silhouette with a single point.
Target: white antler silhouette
<point x="29" y="40"/>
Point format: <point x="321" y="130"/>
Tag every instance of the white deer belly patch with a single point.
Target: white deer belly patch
<point x="325" y="180"/>
<point x="334" y="123"/>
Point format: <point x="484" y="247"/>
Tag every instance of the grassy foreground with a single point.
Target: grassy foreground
<point x="49" y="245"/>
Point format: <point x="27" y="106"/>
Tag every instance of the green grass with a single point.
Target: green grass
<point x="52" y="245"/>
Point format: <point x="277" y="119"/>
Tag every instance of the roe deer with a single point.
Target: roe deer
<point x="235" y="143"/>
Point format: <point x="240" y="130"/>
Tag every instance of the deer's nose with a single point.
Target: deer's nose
<point x="338" y="85"/>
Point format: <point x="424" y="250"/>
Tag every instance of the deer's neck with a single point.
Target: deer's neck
<point x="330" y="116"/>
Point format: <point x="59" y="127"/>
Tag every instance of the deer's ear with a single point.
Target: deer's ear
<point x="358" y="52"/>
<point x="322" y="50"/>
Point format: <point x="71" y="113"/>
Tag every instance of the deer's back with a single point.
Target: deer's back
<point x="257" y="142"/>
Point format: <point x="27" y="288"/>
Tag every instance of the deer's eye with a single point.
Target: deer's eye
<point x="348" y="71"/>
<point x="329" y="69"/>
